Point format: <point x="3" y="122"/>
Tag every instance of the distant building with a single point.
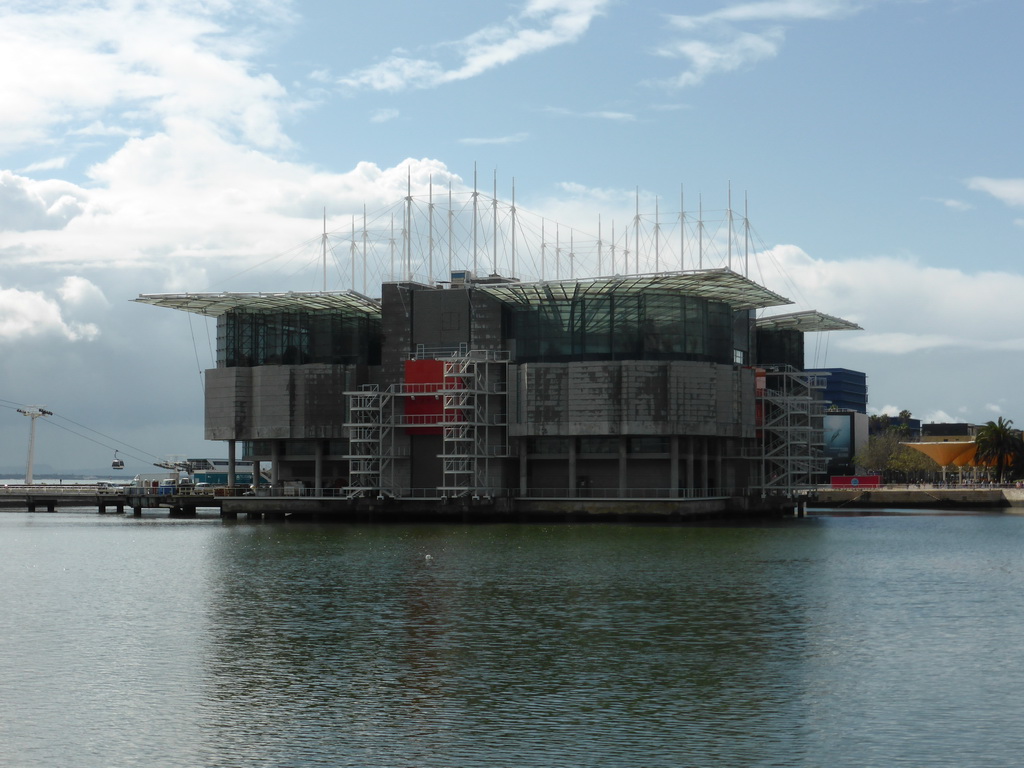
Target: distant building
<point x="845" y="389"/>
<point x="955" y="432"/>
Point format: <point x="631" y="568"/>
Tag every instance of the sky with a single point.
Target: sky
<point x="204" y="145"/>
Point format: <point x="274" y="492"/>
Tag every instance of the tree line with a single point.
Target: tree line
<point x="1000" y="451"/>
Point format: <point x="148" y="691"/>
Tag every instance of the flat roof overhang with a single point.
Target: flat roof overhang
<point x="722" y="285"/>
<point x="959" y="453"/>
<point x="808" y="321"/>
<point x="217" y="304"/>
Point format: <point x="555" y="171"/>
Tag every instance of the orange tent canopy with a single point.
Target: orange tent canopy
<point x="959" y="453"/>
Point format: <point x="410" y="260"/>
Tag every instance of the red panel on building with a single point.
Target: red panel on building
<point x="856" y="481"/>
<point x="424" y="408"/>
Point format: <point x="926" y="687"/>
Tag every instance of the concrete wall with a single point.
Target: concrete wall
<point x="631" y="398"/>
<point x="278" y="401"/>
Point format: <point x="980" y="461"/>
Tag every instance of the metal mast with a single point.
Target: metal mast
<point x="513" y="227"/>
<point x="494" y="224"/>
<point x="33" y="412"/>
<point x="430" y="242"/>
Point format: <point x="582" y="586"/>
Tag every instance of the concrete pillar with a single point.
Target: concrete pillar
<point x="275" y="464"/>
<point x="623" y="467"/>
<point x="231" y="463"/>
<point x="704" y="466"/>
<point x="318" y="469"/>
<point x="719" y="474"/>
<point x="255" y="475"/>
<point x="673" y="467"/>
<point x="572" y="467"/>
<point x="689" y="465"/>
<point x="524" y="469"/>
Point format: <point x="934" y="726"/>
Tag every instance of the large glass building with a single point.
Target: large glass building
<point x="664" y="387"/>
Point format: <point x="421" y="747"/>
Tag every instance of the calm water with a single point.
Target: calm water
<point x="885" y="640"/>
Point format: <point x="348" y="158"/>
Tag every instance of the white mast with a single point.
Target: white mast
<point x="611" y="255"/>
<point x="513" y="227"/>
<point x="450" y="214"/>
<point x="543" y="248"/>
<point x="391" y="274"/>
<point x="407" y="228"/>
<point x="494" y="223"/>
<point x="730" y="225"/>
<point x="657" y="235"/>
<point x="600" y="266"/>
<point x="430" y="241"/>
<point x="475" y="193"/>
<point x="352" y="252"/>
<point x="700" y="232"/>
<point x="572" y="256"/>
<point x="636" y="232"/>
<point x="682" y="229"/>
<point x="324" y="244"/>
<point x="364" y="248"/>
<point x="746" y="238"/>
<point x="558" y="253"/>
<point x="33" y="412"/>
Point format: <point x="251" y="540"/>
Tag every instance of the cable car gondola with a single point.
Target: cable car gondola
<point x="117" y="463"/>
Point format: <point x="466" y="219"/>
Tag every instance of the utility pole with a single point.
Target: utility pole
<point x="33" y="412"/>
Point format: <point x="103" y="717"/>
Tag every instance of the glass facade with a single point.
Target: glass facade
<point x="647" y="326"/>
<point x="297" y="338"/>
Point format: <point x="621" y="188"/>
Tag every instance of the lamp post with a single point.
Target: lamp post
<point x="33" y="412"/>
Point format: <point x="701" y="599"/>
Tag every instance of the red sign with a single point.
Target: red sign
<point x="856" y="481"/>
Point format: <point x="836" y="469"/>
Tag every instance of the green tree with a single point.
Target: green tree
<point x="1000" y="444"/>
<point x="885" y="454"/>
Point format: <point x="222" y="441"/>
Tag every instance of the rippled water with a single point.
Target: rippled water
<point x="883" y="640"/>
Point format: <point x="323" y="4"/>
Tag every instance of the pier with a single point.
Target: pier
<point x="380" y="509"/>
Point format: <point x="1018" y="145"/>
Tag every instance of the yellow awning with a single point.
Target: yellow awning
<point x="958" y="453"/>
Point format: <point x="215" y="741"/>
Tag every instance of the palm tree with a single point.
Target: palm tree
<point x="999" y="443"/>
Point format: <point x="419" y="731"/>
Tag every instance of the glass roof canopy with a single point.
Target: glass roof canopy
<point x="722" y="285"/>
<point x="217" y="304"/>
<point x="808" y="321"/>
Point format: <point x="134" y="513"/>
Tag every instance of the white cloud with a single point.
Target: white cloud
<point x="941" y="417"/>
<point x="715" y="43"/>
<point x="26" y="204"/>
<point x="542" y="24"/>
<point x="993" y="408"/>
<point x="384" y="115"/>
<point x="625" y="117"/>
<point x="28" y="314"/>
<point x="515" y="138"/>
<point x="54" y="163"/>
<point x="1009" y="191"/>
<point x="894" y="300"/>
<point x="188" y="194"/>
<point x="79" y="67"/>
<point x="78" y="291"/>
<point x="955" y="205"/>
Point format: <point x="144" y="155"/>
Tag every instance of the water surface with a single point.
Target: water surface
<point x="861" y="640"/>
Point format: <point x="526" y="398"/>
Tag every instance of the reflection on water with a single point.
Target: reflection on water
<point x="854" y="641"/>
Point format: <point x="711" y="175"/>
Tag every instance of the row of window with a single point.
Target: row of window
<point x="297" y="338"/>
<point x="559" y="446"/>
<point x="648" y="326"/>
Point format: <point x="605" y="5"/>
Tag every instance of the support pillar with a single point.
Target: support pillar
<point x="623" y="468"/>
<point x="318" y="469"/>
<point x="275" y="465"/>
<point x="572" y="467"/>
<point x="231" y="464"/>
<point x="689" y="465"/>
<point x="524" y="468"/>
<point x="673" y="467"/>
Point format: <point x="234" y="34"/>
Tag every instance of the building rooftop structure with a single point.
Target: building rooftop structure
<point x="647" y="385"/>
